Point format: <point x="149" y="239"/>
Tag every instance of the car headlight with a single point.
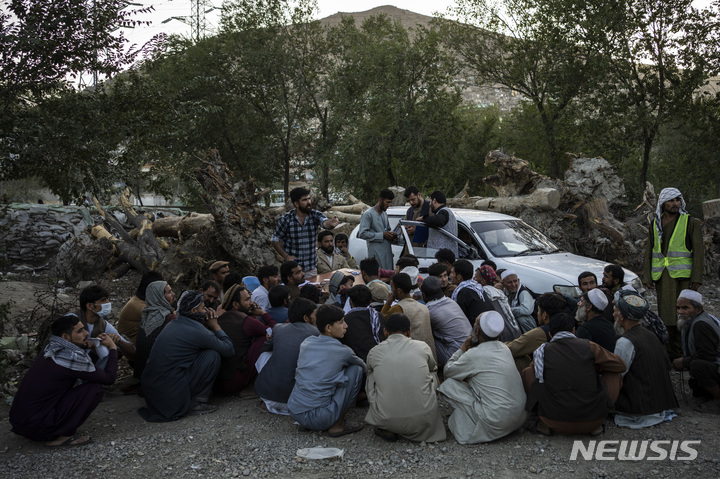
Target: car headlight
<point x="570" y="291"/>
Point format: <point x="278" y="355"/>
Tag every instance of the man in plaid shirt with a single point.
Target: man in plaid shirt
<point x="295" y="234"/>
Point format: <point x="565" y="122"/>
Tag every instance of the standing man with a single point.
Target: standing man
<point x="419" y="208"/>
<point x="443" y="218"/>
<point x="375" y="230"/>
<point x="294" y="236"/>
<point x="674" y="259"/>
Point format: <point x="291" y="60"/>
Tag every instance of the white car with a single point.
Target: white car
<point x="508" y="242"/>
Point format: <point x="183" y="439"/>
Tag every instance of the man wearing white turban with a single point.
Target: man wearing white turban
<point x="674" y="258"/>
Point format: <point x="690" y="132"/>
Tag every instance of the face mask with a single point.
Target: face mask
<point x="106" y="309"/>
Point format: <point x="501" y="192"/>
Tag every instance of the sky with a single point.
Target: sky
<point x="165" y="9"/>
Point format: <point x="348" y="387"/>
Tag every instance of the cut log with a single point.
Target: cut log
<point x="356" y="209"/>
<point x="544" y="199"/>
<point x="183" y="226"/>
<point x="466" y="202"/>
<point x="126" y="251"/>
<point x="464" y="192"/>
<point x="711" y="209"/>
<point x="343" y="217"/>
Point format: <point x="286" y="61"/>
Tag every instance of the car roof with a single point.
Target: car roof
<point x="467" y="214"/>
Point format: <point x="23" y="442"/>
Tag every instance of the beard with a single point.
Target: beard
<point x="329" y="251"/>
<point x="681" y="322"/>
<point x="581" y="315"/>
<point x="619" y="330"/>
<point x="307" y="209"/>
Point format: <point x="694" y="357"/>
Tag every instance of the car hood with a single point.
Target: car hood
<point x="564" y="266"/>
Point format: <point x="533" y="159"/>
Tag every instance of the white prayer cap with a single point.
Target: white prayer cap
<point x="691" y="295"/>
<point x="413" y="272"/>
<point x="506" y="273"/>
<point x="492" y="324"/>
<point x="598" y="298"/>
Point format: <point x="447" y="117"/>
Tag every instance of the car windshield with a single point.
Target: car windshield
<point x="512" y="238"/>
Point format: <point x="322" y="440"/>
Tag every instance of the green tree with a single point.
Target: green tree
<point x="400" y="119"/>
<point x="655" y="56"/>
<point x="512" y="43"/>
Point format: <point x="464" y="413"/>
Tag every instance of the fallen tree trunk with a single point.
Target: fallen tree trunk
<point x="244" y="229"/>
<point x="343" y="217"/>
<point x="514" y="176"/>
<point x="711" y="209"/>
<point x="183" y="226"/>
<point x="543" y="198"/>
<point x="466" y="202"/>
<point x="357" y="209"/>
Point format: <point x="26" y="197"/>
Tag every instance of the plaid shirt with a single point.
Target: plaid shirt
<point x="299" y="240"/>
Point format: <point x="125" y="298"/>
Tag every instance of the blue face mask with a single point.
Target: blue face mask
<point x="106" y="309"/>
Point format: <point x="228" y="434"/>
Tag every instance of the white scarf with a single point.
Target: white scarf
<point x="667" y="194"/>
<point x="472" y="284"/>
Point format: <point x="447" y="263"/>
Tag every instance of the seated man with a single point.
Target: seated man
<point x="441" y="272"/>
<point x="417" y="313"/>
<point x="613" y="278"/>
<point x="522" y="348"/>
<point x="184" y="362"/>
<point x="247" y="334"/>
<point x="268" y="276"/>
<point x="327" y="378"/>
<point x="211" y="292"/>
<point x="401" y="384"/>
<point x="521" y="301"/>
<point x="48" y="405"/>
<point x="647" y="393"/>
<point x="158" y="312"/>
<point x="572" y="382"/>
<point x="341" y="247"/>
<point x="218" y="270"/>
<point x="129" y="319"/>
<point x="328" y="259"/>
<point x="483" y="385"/>
<point x="364" y="324"/>
<point x="469" y="295"/>
<point x="700" y="333"/>
<point x="593" y="324"/>
<point x="278" y="360"/>
<point x="369" y="269"/>
<point x="292" y="276"/>
<point x="279" y="297"/>
<point x="338" y="287"/>
<point x="446" y="257"/>
<point x="310" y="291"/>
<point x="95" y="307"/>
<point x="450" y="327"/>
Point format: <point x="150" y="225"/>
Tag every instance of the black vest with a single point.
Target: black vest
<point x="572" y="390"/>
<point x="646" y="386"/>
<point x="601" y="331"/>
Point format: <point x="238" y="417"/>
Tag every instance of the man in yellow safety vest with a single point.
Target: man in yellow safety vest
<point x="674" y="259"/>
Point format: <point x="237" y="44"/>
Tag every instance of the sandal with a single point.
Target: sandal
<point x="599" y="431"/>
<point x="535" y="429"/>
<point x="70" y="442"/>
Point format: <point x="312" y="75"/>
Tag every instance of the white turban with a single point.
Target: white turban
<point x="667" y="194"/>
<point x="691" y="295"/>
<point x="598" y="299"/>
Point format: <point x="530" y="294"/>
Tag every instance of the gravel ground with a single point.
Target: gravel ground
<point x="239" y="440"/>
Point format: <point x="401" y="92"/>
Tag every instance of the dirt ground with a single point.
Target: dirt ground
<point x="241" y="440"/>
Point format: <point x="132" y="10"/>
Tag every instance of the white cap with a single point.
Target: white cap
<point x="506" y="273"/>
<point x="598" y="299"/>
<point x="413" y="272"/>
<point x="492" y="324"/>
<point x="691" y="295"/>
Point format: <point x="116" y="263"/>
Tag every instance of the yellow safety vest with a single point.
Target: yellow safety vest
<point x="678" y="259"/>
